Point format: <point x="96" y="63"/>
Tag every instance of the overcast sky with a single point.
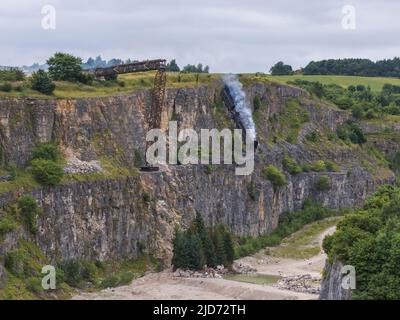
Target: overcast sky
<point x="230" y="36"/>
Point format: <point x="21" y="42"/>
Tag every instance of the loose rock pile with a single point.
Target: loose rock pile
<point x="302" y="283"/>
<point x="242" y="268"/>
<point x="5" y="178"/>
<point x="75" y="165"/>
<point x="217" y="273"/>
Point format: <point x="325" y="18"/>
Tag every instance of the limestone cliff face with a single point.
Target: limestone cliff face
<point x="111" y="218"/>
<point x="331" y="286"/>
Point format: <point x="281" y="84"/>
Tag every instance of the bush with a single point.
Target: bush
<point x="323" y="183"/>
<point x="351" y="131"/>
<point x="6" y="87"/>
<point x="305" y="167"/>
<point x="76" y="271"/>
<point x="14" y="262"/>
<point x="125" y="278"/>
<point x="331" y="166"/>
<point x="275" y="176"/>
<point x="146" y="197"/>
<point x="47" y="151"/>
<point x="138" y="159"/>
<point x="72" y="272"/>
<point x="395" y="161"/>
<point x="291" y="165"/>
<point x="6" y="225"/>
<point x="110" y="282"/>
<point x="42" y="82"/>
<point x="12" y="168"/>
<point x="357" y="111"/>
<point x="318" y="166"/>
<point x="257" y="103"/>
<point x="34" y="285"/>
<point x="12" y="74"/>
<point x="252" y="191"/>
<point x="47" y="172"/>
<point x="312" y="136"/>
<point x="29" y="212"/>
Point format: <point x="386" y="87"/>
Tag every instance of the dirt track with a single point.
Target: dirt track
<point x="164" y="285"/>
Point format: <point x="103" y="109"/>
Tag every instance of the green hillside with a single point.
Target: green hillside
<point x="376" y="83"/>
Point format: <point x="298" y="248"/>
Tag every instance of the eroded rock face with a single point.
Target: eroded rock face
<point x="331" y="286"/>
<point x="122" y="217"/>
<point x="3" y="277"/>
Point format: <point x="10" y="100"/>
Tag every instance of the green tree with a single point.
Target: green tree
<point x="64" y="66"/>
<point x="207" y="244"/>
<point x="195" y="250"/>
<point x="229" y="248"/>
<point x="280" y="69"/>
<point x="323" y="183"/>
<point x="351" y="131"/>
<point x="172" y="66"/>
<point x="180" y="250"/>
<point x="47" y="172"/>
<point x="219" y="242"/>
<point x="42" y="82"/>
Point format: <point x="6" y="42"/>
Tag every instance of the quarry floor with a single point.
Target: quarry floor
<point x="163" y="285"/>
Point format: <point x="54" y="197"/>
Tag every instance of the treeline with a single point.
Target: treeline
<point x="361" y="100"/>
<point x="369" y="240"/>
<point x="199" y="246"/>
<point x="172" y="66"/>
<point x="354" y="67"/>
<point x="12" y="74"/>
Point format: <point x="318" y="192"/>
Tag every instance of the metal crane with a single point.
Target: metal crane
<point x="160" y="80"/>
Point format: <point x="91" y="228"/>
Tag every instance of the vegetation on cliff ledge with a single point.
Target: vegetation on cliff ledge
<point x="369" y="240"/>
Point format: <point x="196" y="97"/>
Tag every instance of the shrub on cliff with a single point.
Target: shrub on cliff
<point x="351" y="131"/>
<point x="47" y="172"/>
<point x="6" y="225"/>
<point x="323" y="183"/>
<point x="331" y="166"/>
<point x="291" y="165"/>
<point x="42" y="82"/>
<point x="273" y="174"/>
<point x="29" y="212"/>
<point x="6" y="87"/>
<point x="318" y="166"/>
<point x="47" y="151"/>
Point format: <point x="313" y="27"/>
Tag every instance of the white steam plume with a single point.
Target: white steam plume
<point x="241" y="105"/>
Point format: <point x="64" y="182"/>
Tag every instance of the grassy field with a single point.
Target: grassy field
<point x="375" y="83"/>
<point x="304" y="243"/>
<point x="128" y="82"/>
<point x="125" y="84"/>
